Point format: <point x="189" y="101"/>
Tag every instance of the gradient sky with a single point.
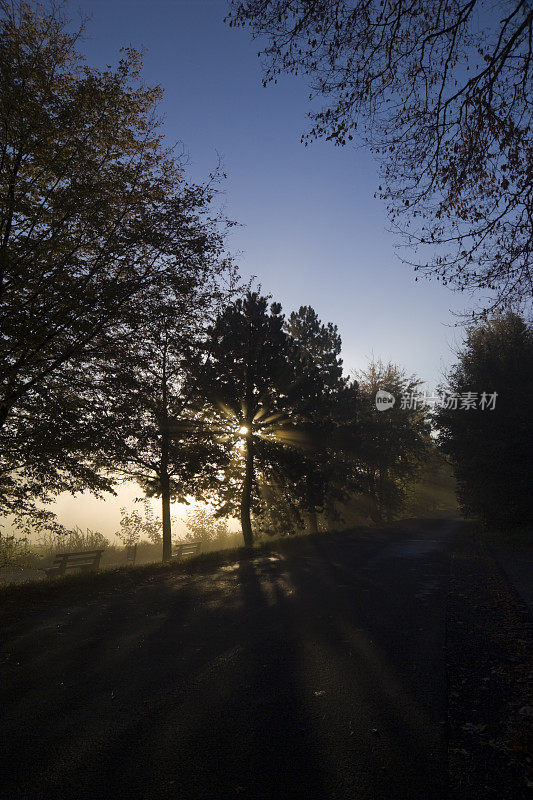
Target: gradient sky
<point x="311" y="230"/>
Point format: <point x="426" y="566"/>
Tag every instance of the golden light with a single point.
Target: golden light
<point x="243" y="430"/>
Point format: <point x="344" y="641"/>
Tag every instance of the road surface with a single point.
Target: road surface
<point x="319" y="672"/>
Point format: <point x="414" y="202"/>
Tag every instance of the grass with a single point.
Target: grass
<point x="117" y="578"/>
<point x="127" y="576"/>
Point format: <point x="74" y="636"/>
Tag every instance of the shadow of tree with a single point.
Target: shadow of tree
<point x="272" y="678"/>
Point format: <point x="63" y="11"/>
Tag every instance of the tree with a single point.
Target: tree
<point x="133" y="526"/>
<point x="204" y="526"/>
<point x="94" y="214"/>
<point x="152" y="428"/>
<point x="15" y="552"/>
<point x="48" y="445"/>
<point x="489" y="439"/>
<point x="393" y="443"/>
<point x="279" y="387"/>
<point x="318" y="347"/>
<point x="319" y="469"/>
<point x="250" y="378"/>
<point x="441" y="92"/>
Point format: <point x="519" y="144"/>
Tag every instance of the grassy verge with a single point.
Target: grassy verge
<point x="121" y="578"/>
<point x="127" y="576"/>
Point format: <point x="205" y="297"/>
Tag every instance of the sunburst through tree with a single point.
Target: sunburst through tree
<point x="269" y="399"/>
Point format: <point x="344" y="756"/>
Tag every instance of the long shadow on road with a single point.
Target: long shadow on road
<point x="318" y="673"/>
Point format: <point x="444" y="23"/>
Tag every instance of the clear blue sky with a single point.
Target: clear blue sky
<point x="312" y="231"/>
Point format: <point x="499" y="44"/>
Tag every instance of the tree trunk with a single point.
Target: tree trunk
<point x="313" y="521"/>
<point x="246" y="498"/>
<point x="167" y="526"/>
<point x="164" y="476"/>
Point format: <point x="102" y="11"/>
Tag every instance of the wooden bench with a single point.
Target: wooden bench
<point x="84" y="561"/>
<point x="186" y="549"/>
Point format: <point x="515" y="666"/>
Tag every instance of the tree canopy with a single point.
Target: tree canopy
<point x="95" y="219"/>
<point x="151" y="425"/>
<point x="249" y="378"/>
<point x="393" y="444"/>
<point x="441" y="92"/>
<point x="489" y="443"/>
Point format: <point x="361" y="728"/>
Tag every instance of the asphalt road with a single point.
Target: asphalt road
<point x="317" y="673"/>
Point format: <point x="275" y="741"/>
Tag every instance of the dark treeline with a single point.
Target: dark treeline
<point x="130" y="352"/>
<point x="491" y="450"/>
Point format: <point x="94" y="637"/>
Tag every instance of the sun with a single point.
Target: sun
<point x="243" y="430"/>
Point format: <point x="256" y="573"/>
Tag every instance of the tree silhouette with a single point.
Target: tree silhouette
<point x="285" y="414"/>
<point x="94" y="215"/>
<point x="318" y="470"/>
<point x="489" y="443"/>
<point x="441" y="92"/>
<point x="392" y="444"/>
<point x="250" y="379"/>
<point x="152" y="428"/>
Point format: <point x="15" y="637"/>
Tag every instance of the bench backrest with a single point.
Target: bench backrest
<point x="80" y="559"/>
<point x="186" y="548"/>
